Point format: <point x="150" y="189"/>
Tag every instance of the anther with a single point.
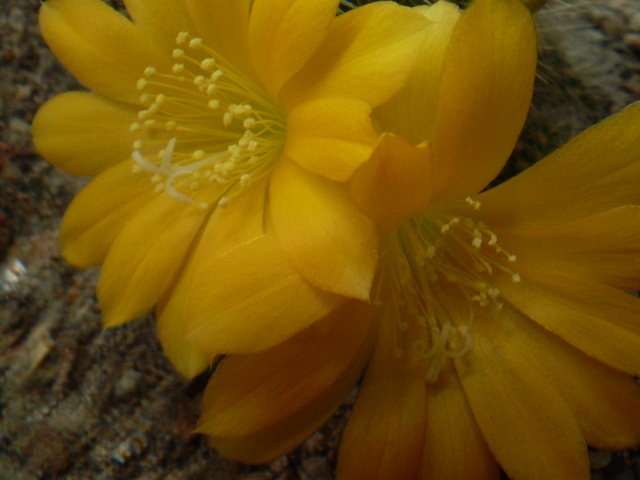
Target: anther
<point x="177" y="53"/>
<point x="150" y="71"/>
<point x="182" y="38"/>
<point x="141" y="83"/>
<point x="195" y="43"/>
<point x="178" y="67"/>
<point x="208" y="64"/>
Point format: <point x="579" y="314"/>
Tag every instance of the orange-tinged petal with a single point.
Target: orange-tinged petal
<point x="162" y="20"/>
<point x="145" y="257"/>
<point x="102" y="49"/>
<point x="411" y="113"/>
<point x="454" y="448"/>
<point x="331" y="136"/>
<point x="385" y="434"/>
<point x="377" y="41"/>
<point x="595" y="171"/>
<point x="72" y="129"/>
<point x="599" y="320"/>
<point x="527" y="424"/>
<point x="604" y="247"/>
<point x="329" y="241"/>
<point x="606" y="402"/>
<point x="223" y="26"/>
<point x="99" y="211"/>
<point x="259" y="406"/>
<point x="250" y="299"/>
<point x="395" y="183"/>
<point x="283" y="34"/>
<point x="484" y="95"/>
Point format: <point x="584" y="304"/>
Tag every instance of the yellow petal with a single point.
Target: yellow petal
<point x="239" y="222"/>
<point x="257" y="407"/>
<point x="145" y="257"/>
<point x="329" y="241"/>
<point x="484" y="95"/>
<point x="527" y="424"/>
<point x="604" y="247"/>
<point x="162" y="20"/>
<point x="283" y="34"/>
<point x="250" y="299"/>
<point x="72" y="129"/>
<point x="411" y="114"/>
<point x="606" y="402"/>
<point x="187" y="359"/>
<point x="102" y="49"/>
<point x="454" y="448"/>
<point x="375" y="42"/>
<point x="599" y="320"/>
<point x="331" y="137"/>
<point x="595" y="171"/>
<point x="385" y="434"/>
<point x="99" y="211"/>
<point x="223" y="25"/>
<point x="395" y="183"/>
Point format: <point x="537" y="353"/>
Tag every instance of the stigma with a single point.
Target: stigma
<point x="205" y="130"/>
<point x="437" y="272"/>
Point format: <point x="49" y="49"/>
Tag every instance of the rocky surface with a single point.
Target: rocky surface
<point x="77" y="402"/>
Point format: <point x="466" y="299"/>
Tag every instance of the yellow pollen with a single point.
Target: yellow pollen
<point x="205" y="130"/>
<point x="437" y="273"/>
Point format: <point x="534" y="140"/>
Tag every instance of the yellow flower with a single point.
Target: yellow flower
<point x="217" y="123"/>
<point x="501" y="330"/>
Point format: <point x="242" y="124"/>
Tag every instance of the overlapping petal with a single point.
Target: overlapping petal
<point x="595" y="171"/>
<point x="606" y="402"/>
<point x="395" y="183"/>
<point x="385" y="434"/>
<point x="102" y="49"/>
<point x="329" y="241"/>
<point x="171" y="327"/>
<point x="604" y="247"/>
<point x="72" y="129"/>
<point x="528" y="426"/>
<point x="453" y="447"/>
<point x="411" y="114"/>
<point x="331" y="137"/>
<point x="162" y="20"/>
<point x="145" y="257"/>
<point x="224" y="25"/>
<point x="284" y="34"/>
<point x="99" y="211"/>
<point x="250" y="299"/>
<point x="484" y="95"/>
<point x="259" y="406"/>
<point x="377" y="41"/>
<point x="600" y="320"/>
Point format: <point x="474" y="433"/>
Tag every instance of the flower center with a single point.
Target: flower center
<point x="206" y="130"/>
<point x="437" y="272"/>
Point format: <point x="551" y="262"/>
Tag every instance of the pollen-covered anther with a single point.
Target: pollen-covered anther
<point x="150" y="71"/>
<point x="178" y="53"/>
<point x="195" y="43"/>
<point x="475" y="204"/>
<point x="182" y="38"/>
<point x="208" y="64"/>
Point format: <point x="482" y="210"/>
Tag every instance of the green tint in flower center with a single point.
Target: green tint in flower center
<point x="437" y="271"/>
<point x="204" y="125"/>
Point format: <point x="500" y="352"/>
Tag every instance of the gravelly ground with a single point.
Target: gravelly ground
<point x="77" y="402"/>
